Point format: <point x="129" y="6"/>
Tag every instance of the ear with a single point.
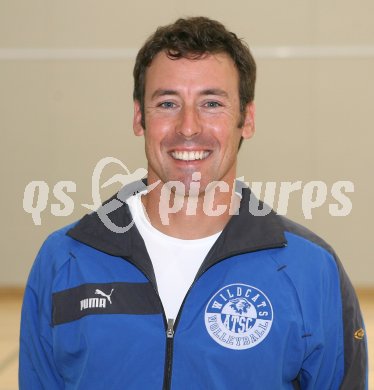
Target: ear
<point x="248" y="128"/>
<point x="137" y="121"/>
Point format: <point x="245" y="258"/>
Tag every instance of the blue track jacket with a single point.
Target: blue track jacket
<point x="271" y="308"/>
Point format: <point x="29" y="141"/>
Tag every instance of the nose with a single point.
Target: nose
<point x="189" y="124"/>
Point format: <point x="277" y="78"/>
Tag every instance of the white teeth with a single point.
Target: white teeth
<point x="190" y="156"/>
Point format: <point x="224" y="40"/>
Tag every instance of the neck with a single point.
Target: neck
<point x="191" y="217"/>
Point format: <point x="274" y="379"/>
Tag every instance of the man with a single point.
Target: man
<point x="194" y="290"/>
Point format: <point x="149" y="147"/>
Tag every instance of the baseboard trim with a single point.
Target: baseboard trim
<point x="12" y="292"/>
<point x="365" y="292"/>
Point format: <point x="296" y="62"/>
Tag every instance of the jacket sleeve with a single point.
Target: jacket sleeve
<point x="338" y="360"/>
<point x="37" y="369"/>
<point x="354" y="335"/>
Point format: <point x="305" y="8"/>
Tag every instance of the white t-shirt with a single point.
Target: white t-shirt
<point x="175" y="261"/>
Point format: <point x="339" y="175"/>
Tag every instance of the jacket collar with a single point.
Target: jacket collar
<point x="243" y="233"/>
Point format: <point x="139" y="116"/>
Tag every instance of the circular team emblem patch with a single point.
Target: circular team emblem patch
<point x="238" y="316"/>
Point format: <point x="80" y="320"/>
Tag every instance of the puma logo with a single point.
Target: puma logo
<point x="94" y="303"/>
<point x="99" y="292"/>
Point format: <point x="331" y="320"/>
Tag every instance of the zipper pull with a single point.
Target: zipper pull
<point x="170" y="331"/>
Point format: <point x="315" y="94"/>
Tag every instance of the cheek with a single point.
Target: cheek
<point x="228" y="135"/>
<point x="152" y="145"/>
<point x="157" y="129"/>
<point x="154" y="138"/>
<point x="157" y="118"/>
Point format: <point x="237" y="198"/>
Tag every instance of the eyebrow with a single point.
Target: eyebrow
<point x="209" y="91"/>
<point x="214" y="91"/>
<point x="163" y="92"/>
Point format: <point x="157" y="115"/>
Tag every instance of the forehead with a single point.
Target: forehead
<point x="209" y="71"/>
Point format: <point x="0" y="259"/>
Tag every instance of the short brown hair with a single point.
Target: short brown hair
<point x="192" y="38"/>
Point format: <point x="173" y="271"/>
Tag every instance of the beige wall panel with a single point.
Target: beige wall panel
<point x="344" y="109"/>
<point x="314" y="123"/>
<point x="344" y="22"/>
<point x="59" y="118"/>
<point x="91" y="23"/>
<point x="77" y="23"/>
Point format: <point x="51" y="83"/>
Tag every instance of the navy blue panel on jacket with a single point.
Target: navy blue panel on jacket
<point x="271" y="308"/>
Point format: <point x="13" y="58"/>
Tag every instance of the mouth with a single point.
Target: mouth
<point x="191" y="155"/>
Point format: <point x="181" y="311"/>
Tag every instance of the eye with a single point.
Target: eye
<point x="212" y="104"/>
<point x="167" y="105"/>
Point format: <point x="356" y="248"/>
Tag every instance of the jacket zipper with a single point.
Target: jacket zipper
<point x="199" y="274"/>
<point x="169" y="353"/>
<point x="171" y="325"/>
<point x="169" y="329"/>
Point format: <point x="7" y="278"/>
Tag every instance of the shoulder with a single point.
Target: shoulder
<point x="58" y="240"/>
<point x="52" y="255"/>
<point x="309" y="256"/>
<point x="313" y="256"/>
<point x="300" y="232"/>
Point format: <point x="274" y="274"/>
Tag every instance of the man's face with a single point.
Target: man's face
<point x="191" y="119"/>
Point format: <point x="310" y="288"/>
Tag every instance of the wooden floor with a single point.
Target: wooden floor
<point x="10" y="305"/>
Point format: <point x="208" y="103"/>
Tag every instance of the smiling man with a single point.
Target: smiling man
<point x="212" y="297"/>
<point x="192" y="124"/>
